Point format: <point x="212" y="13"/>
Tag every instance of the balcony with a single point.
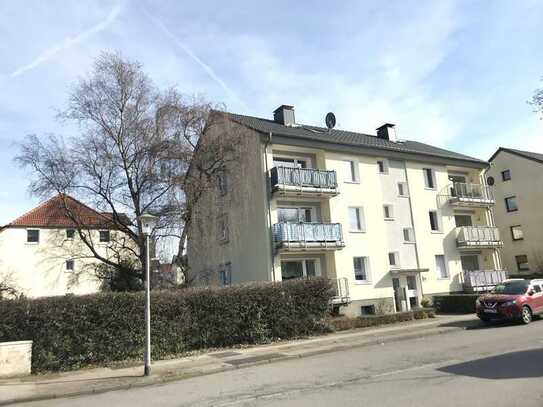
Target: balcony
<point x="290" y="181"/>
<point x="478" y="237"/>
<point x="482" y="280"/>
<point x="462" y="194"/>
<point x="308" y="236"/>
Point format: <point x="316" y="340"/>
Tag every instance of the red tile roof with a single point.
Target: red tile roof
<point x="51" y="214"/>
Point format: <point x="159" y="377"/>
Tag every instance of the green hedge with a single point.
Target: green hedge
<point x="455" y="303"/>
<point x="71" y="332"/>
<point x="343" y="323"/>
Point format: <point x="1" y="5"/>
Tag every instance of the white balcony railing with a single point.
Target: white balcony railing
<point x="340" y="287"/>
<point x="308" y="235"/>
<point x="478" y="236"/>
<point x="303" y="180"/>
<point x="482" y="280"/>
<point x="462" y="193"/>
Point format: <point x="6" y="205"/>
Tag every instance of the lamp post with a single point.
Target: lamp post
<point x="148" y="222"/>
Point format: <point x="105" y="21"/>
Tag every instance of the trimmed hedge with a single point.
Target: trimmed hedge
<point x="344" y="323"/>
<point x="72" y="332"/>
<point x="455" y="303"/>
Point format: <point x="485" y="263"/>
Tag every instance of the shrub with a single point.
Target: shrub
<point x="72" y="332"/>
<point x="343" y="323"/>
<point x="455" y="303"/>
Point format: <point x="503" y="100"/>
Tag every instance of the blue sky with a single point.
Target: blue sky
<point x="456" y="74"/>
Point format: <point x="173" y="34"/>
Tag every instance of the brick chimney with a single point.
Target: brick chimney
<point x="387" y="132"/>
<point x="284" y="114"/>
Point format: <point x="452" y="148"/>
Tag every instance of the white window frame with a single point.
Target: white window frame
<point x="518" y="228"/>
<point x="405" y="188"/>
<point x="396" y="264"/>
<point x="367" y="269"/>
<point x="361" y="218"/>
<point x="438" y="222"/>
<point x="411" y="235"/>
<point x="318" y="271"/>
<point x="353" y="171"/>
<point x="439" y="275"/>
<point x="390" y="208"/>
<point x="432" y="180"/>
<point x="384" y="162"/>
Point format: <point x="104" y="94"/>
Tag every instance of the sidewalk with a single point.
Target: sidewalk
<point x="106" y="379"/>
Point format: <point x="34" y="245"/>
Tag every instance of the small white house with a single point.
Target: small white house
<point x="42" y="253"/>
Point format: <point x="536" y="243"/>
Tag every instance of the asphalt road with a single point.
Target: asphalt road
<point x="478" y="366"/>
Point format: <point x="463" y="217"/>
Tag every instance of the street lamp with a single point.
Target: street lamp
<point x="148" y="222"/>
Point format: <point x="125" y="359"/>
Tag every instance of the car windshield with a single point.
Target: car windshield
<point x="511" y="287"/>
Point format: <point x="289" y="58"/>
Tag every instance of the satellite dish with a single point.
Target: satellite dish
<point x="330" y="120"/>
<point x="490" y="181"/>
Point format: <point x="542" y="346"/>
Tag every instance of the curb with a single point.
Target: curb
<point x="177" y="377"/>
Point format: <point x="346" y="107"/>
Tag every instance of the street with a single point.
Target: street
<point x="478" y="366"/>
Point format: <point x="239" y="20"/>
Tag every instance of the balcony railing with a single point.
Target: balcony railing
<point x="478" y="237"/>
<point x="292" y="236"/>
<point x="471" y="194"/>
<point x="340" y="286"/>
<point x="301" y="180"/>
<point x="482" y="280"/>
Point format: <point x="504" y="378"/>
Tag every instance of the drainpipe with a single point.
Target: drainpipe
<point x="268" y="198"/>
<point x="414" y="229"/>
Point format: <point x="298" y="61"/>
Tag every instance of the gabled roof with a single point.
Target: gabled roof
<point x="51" y="214"/>
<point x="348" y="138"/>
<point x="524" y="154"/>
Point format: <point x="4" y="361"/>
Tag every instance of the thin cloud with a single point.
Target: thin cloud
<point x="69" y="42"/>
<point x="196" y="59"/>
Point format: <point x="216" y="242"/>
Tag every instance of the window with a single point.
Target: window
<point x="511" y="204"/>
<point x="105" y="236"/>
<point x="516" y="232"/>
<point x="429" y="178"/>
<point x="32" y="236"/>
<point x="408" y="235"/>
<point x="394" y="259"/>
<point x="289" y="162"/>
<point x="295" y="215"/>
<point x="222" y="230"/>
<point x="349" y="171"/>
<point x="225" y="274"/>
<point x="70" y="264"/>
<point x="536" y="288"/>
<point x="388" y="212"/>
<point x="223" y="182"/>
<point x="434" y="221"/>
<point x="70" y="233"/>
<point x="299" y="268"/>
<point x="356" y="220"/>
<point x="441" y="267"/>
<point x="402" y="189"/>
<point x="361" y="269"/>
<point x="367" y="310"/>
<point x="522" y="262"/>
<point x="382" y="167"/>
<point x="506" y="175"/>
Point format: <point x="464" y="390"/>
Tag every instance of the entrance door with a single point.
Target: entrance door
<point x="470" y="263"/>
<point x="412" y="294"/>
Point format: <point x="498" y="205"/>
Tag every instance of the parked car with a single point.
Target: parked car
<point x="514" y="299"/>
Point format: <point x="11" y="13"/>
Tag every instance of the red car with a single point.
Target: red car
<point x="514" y="299"/>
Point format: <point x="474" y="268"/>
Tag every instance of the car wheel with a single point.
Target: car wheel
<point x="526" y="316"/>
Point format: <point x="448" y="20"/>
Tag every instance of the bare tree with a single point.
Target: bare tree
<point x="537" y="102"/>
<point x="8" y="286"/>
<point x="133" y="155"/>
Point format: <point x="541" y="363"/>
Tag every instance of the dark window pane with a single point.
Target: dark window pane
<point x="104" y="236"/>
<point x="33" y="236"/>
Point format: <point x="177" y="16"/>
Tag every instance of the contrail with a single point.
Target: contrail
<point x="195" y="58"/>
<point x="69" y="42"/>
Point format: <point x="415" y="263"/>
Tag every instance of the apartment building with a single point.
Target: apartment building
<point x="517" y="177"/>
<point x="388" y="220"/>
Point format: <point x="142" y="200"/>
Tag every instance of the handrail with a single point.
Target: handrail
<point x="303" y="177"/>
<point x="471" y="191"/>
<point x="478" y="234"/>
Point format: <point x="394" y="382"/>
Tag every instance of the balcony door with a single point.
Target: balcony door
<point x="302" y="268"/>
<point x="297" y="214"/>
<point x="463" y="220"/>
<point x="470" y="263"/>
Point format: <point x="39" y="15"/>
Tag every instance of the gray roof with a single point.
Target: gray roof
<point x="348" y="138"/>
<point x="525" y="154"/>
